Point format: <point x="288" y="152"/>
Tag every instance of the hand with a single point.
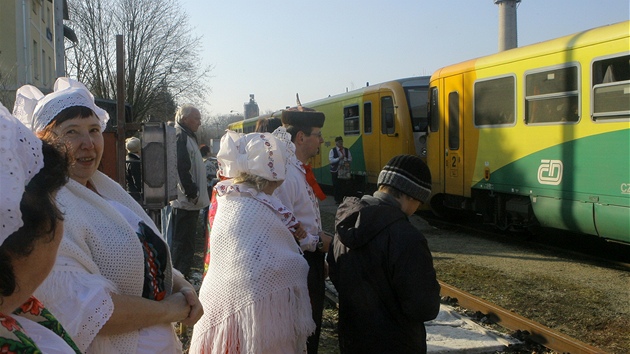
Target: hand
<point x="299" y="232"/>
<point x="177" y="307"/>
<point x="196" y="309"/>
<point x="326" y="239"/>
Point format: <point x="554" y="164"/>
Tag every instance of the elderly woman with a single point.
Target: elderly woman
<point x="113" y="286"/>
<point x="254" y="295"/>
<point x="32" y="226"/>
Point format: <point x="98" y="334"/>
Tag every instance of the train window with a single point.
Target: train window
<point x="367" y="117"/>
<point x="552" y="96"/>
<point x="434" y="113"/>
<point x="494" y="102"/>
<point x="417" y="101"/>
<point x="611" y="88"/>
<point x="387" y="115"/>
<point x="351" y="120"/>
<point x="453" y="121"/>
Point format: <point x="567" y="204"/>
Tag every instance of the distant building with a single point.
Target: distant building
<point x="32" y="45"/>
<point x="251" y="108"/>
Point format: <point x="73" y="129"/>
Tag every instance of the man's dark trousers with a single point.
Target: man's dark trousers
<point x="183" y="242"/>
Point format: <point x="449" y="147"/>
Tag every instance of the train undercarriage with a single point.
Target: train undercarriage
<point x="503" y="211"/>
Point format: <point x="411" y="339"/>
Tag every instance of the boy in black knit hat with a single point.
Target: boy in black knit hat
<point x="381" y="265"/>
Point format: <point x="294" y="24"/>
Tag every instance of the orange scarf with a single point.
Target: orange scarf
<point x="310" y="178"/>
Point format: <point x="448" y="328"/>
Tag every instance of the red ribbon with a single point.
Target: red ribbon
<point x="310" y="178"/>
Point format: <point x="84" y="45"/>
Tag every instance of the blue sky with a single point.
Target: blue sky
<point x="277" y="48"/>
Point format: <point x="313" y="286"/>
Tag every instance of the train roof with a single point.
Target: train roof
<point x="584" y="38"/>
<point x="405" y="82"/>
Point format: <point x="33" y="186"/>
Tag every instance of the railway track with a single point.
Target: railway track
<point x="536" y="332"/>
<point x="529" y="330"/>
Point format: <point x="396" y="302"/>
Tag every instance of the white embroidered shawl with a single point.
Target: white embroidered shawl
<point x="255" y="293"/>
<point x="102" y="250"/>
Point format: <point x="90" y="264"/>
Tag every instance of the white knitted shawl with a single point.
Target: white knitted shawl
<point x="255" y="293"/>
<point x="100" y="248"/>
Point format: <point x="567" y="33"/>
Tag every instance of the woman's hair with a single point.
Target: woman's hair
<point x="256" y="181"/>
<point x="39" y="213"/>
<point x="267" y="124"/>
<point x="47" y="133"/>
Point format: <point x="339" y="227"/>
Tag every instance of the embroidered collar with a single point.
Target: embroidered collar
<point x="227" y="187"/>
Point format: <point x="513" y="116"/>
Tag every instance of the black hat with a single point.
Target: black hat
<point x="306" y="119"/>
<point x="409" y="174"/>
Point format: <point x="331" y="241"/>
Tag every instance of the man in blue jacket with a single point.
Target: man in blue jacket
<point x="381" y="265"/>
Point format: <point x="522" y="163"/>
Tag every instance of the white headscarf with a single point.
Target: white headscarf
<point x="20" y="159"/>
<point x="36" y="111"/>
<point x="259" y="154"/>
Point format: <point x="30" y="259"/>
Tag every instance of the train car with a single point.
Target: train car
<point x="244" y="126"/>
<point x="377" y="122"/>
<point x="537" y="135"/>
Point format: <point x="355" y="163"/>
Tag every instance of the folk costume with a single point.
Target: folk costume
<point x="31" y="328"/>
<point x="300" y="192"/>
<point x="109" y="245"/>
<point x="254" y="295"/>
<point x="101" y="253"/>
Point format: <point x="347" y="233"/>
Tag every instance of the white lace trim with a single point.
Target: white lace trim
<point x="80" y="301"/>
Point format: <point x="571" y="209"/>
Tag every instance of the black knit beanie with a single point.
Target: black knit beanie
<point x="409" y="174"/>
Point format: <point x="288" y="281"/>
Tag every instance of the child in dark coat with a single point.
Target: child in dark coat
<point x="382" y="267"/>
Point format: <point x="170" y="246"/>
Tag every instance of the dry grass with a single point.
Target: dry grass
<point x="564" y="306"/>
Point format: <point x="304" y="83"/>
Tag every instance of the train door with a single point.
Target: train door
<point x="390" y="137"/>
<point x="453" y="136"/>
<point x="371" y="136"/>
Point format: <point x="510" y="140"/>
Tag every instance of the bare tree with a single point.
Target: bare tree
<point x="214" y="126"/>
<point x="163" y="64"/>
<point x="8" y="78"/>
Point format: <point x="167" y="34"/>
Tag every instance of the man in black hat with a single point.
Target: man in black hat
<point x="300" y="193"/>
<point x="381" y="265"/>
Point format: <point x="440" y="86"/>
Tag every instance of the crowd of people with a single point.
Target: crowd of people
<point x="84" y="269"/>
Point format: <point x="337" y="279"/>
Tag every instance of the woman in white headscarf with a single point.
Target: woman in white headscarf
<point x="113" y="286"/>
<point x="254" y="295"/>
<point x="31" y="228"/>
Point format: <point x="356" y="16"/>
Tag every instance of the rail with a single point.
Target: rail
<point x="538" y="333"/>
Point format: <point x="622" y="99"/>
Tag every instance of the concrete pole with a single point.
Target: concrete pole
<point x="507" y="24"/>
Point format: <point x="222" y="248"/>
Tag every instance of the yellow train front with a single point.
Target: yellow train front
<point x="537" y="135"/>
<point x="376" y="122"/>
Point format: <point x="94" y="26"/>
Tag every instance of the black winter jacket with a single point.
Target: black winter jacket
<point x="383" y="270"/>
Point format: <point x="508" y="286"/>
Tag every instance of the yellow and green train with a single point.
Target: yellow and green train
<point x="377" y="122"/>
<point x="537" y="135"/>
